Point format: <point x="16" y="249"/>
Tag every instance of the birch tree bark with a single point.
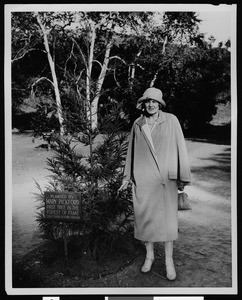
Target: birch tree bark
<point x="89" y="76"/>
<point x="163" y="52"/>
<point x="53" y="73"/>
<point x="94" y="86"/>
<point x="94" y="105"/>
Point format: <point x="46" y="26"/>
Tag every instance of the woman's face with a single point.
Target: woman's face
<point x="151" y="106"/>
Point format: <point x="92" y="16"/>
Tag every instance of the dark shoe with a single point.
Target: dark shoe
<point x="147" y="265"/>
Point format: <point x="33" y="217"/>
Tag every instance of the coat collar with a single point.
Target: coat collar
<point x="161" y="118"/>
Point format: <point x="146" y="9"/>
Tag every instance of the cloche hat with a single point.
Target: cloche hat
<point x="151" y="93"/>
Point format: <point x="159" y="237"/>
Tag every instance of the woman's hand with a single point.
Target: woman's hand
<point x="124" y="186"/>
<point x="181" y="185"/>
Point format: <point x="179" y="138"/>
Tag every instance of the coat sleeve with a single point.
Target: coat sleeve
<point x="183" y="167"/>
<point x="129" y="157"/>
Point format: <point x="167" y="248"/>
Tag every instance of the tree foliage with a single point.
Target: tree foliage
<point x="103" y="57"/>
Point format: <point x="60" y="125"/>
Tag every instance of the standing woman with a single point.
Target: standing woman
<point x="157" y="165"/>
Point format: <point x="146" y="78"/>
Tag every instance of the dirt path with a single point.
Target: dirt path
<point x="202" y="253"/>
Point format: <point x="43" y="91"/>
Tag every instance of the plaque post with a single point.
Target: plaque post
<point x="65" y="247"/>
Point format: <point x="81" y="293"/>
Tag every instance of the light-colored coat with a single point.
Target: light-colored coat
<point x="155" y="162"/>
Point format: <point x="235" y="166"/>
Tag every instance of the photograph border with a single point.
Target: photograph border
<point x="8" y="151"/>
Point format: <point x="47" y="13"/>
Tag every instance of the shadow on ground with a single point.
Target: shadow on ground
<point x="215" y="175"/>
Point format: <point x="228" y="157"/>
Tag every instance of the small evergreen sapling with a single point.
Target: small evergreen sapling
<point x="91" y="162"/>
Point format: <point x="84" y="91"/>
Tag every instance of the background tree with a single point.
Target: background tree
<point x="52" y="69"/>
<point x="97" y="37"/>
<point x="105" y="57"/>
<point x="149" y="53"/>
<point x="25" y="53"/>
<point x="30" y="32"/>
<point x="189" y="71"/>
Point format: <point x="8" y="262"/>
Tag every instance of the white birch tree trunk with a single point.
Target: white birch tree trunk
<point x="163" y="52"/>
<point x="53" y="73"/>
<point x="89" y="73"/>
<point x="94" y="105"/>
<point x="154" y="79"/>
<point x="132" y="71"/>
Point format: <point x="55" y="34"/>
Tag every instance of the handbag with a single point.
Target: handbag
<point x="183" y="203"/>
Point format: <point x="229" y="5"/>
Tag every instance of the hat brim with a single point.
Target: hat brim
<point x="143" y="98"/>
